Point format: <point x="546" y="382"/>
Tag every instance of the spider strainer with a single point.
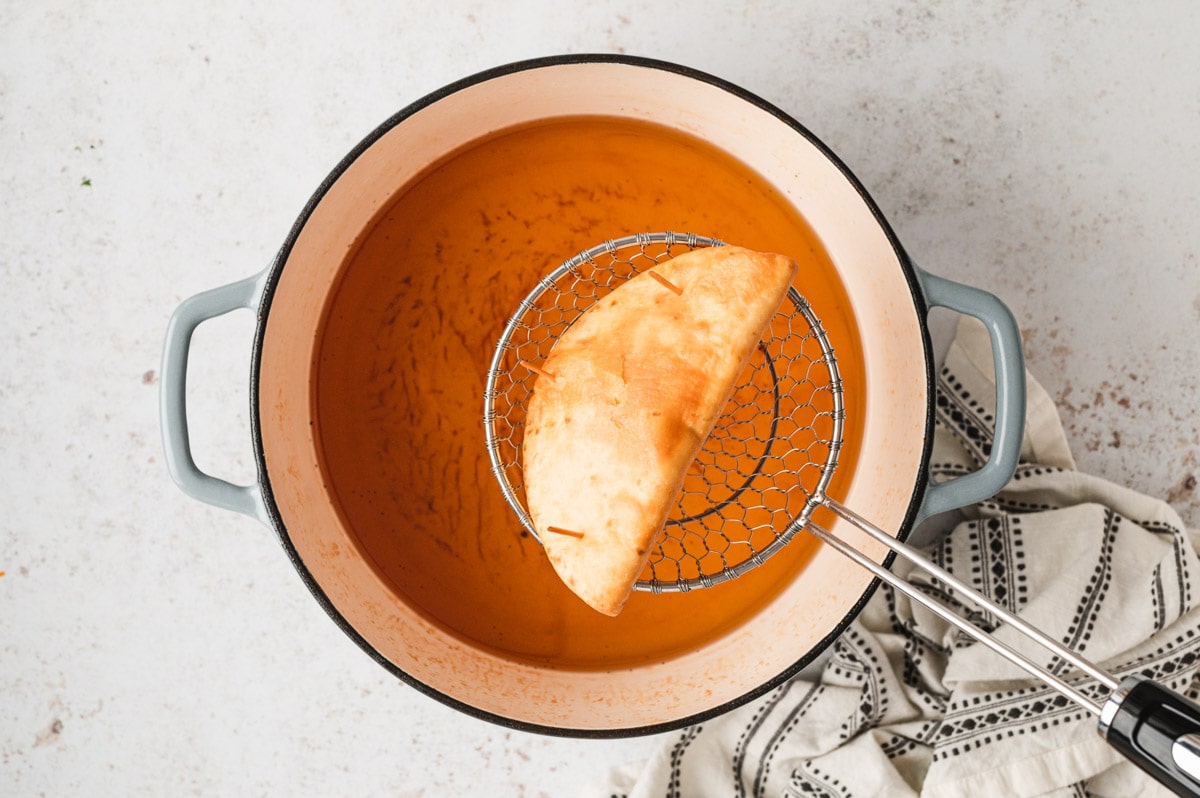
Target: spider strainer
<point x="763" y="469"/>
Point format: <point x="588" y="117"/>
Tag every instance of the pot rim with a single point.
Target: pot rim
<point x="272" y="279"/>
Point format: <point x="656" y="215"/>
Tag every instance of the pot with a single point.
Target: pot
<point x="373" y="472"/>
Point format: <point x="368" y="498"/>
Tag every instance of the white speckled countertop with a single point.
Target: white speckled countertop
<point x="150" y="645"/>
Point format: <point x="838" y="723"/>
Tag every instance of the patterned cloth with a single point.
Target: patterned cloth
<point x="907" y="706"/>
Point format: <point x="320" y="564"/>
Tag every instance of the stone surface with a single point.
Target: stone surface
<point x="150" y="645"/>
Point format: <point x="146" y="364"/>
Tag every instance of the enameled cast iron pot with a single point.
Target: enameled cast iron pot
<point x="890" y="299"/>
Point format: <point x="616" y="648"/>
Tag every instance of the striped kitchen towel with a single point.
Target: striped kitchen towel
<point x="906" y="705"/>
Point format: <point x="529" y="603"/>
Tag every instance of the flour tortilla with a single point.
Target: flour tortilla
<point x="639" y="382"/>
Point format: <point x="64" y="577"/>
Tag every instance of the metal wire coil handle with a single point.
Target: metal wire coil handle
<point x="1155" y="728"/>
<point x="774" y="448"/>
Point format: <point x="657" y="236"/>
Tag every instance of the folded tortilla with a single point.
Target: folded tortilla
<point x="638" y="383"/>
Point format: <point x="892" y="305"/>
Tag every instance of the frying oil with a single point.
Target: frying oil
<point x="409" y="334"/>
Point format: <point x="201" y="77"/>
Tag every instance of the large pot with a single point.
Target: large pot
<point x="362" y="460"/>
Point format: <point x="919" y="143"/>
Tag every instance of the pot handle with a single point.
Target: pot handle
<point x="1009" y="360"/>
<point x="245" y="499"/>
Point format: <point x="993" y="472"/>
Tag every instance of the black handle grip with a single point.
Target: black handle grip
<point x="1158" y="730"/>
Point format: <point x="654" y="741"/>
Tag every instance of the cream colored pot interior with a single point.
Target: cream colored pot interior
<point x="805" y="612"/>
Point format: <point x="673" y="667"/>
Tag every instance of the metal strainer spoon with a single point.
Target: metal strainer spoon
<point x="763" y="472"/>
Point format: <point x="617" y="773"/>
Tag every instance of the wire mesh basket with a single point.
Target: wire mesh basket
<point x="762" y="470"/>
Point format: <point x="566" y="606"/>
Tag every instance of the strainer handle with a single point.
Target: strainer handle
<point x="1009" y="360"/>
<point x="245" y="499"/>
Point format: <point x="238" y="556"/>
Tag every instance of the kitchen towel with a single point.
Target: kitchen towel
<point x="906" y="705"/>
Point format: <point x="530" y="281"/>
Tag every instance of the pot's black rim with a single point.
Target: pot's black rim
<point x="256" y="364"/>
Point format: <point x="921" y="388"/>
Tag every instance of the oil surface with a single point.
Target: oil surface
<point x="408" y="336"/>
